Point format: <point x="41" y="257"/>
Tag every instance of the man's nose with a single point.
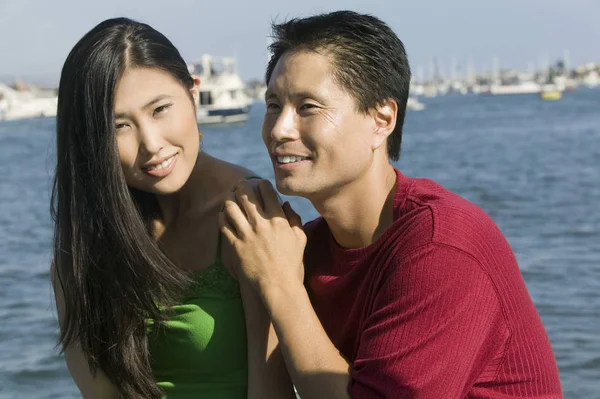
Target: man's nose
<point x="286" y="126"/>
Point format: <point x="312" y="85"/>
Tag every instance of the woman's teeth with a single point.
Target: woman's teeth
<point x="164" y="164"/>
<point x="290" y="159"/>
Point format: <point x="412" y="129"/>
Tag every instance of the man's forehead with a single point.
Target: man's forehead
<point x="301" y="72"/>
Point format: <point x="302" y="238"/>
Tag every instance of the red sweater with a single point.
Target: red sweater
<point x="435" y="308"/>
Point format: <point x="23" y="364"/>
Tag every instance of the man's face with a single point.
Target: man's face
<point x="318" y="140"/>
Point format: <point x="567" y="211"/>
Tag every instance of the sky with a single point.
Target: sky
<point x="37" y="35"/>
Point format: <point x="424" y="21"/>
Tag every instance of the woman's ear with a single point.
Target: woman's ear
<point x="195" y="90"/>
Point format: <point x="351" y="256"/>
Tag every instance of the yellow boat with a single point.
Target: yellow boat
<point x="551" y="95"/>
<point x="550" y="92"/>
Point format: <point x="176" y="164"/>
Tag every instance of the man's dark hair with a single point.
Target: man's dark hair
<point x="369" y="60"/>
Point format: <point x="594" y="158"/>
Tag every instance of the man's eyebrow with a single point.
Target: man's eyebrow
<point x="306" y="94"/>
<point x="269" y="95"/>
<point x="299" y="95"/>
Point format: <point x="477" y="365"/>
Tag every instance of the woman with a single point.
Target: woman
<point x="146" y="308"/>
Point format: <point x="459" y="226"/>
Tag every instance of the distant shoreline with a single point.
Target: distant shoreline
<point x="49" y="81"/>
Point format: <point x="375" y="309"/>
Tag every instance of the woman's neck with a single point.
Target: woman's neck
<point x="193" y="193"/>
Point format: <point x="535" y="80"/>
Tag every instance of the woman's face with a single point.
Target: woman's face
<point x="157" y="134"/>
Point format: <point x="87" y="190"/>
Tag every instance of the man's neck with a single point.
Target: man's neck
<point x="360" y="212"/>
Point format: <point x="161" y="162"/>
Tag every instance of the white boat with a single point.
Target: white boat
<point x="222" y="92"/>
<point x="592" y="79"/>
<point x="25" y="104"/>
<point x="519" y="88"/>
<point x="564" y="83"/>
<point x="414" y="105"/>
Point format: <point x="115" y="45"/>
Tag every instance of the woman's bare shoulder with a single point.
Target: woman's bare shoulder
<point x="227" y="174"/>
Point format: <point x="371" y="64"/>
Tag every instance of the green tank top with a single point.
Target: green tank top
<point x="201" y="352"/>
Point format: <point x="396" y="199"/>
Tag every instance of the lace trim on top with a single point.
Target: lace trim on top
<point x="214" y="278"/>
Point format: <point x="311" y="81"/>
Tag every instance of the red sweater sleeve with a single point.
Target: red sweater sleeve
<point x="434" y="319"/>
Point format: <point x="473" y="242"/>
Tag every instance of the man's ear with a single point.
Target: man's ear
<point x="384" y="116"/>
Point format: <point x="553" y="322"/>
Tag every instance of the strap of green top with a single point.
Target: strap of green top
<point x="218" y="258"/>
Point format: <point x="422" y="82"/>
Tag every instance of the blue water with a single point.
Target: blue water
<point x="532" y="165"/>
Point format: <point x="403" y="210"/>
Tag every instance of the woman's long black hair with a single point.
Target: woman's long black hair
<point x="111" y="271"/>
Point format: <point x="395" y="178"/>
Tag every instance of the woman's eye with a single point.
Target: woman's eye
<point x="162" y="109"/>
<point x="120" y="126"/>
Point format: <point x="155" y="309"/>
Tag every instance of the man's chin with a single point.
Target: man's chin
<point x="289" y="189"/>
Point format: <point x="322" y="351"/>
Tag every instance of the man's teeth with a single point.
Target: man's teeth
<point x="290" y="159"/>
<point x="163" y="164"/>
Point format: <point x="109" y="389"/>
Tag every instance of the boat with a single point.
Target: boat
<point x="550" y="92"/>
<point x="518" y="88"/>
<point x="26" y="103"/>
<point x="592" y="79"/>
<point x="222" y="93"/>
<point x="414" y="105"/>
<point x="564" y="83"/>
<point x="551" y="95"/>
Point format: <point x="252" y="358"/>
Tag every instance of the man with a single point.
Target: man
<point x="409" y="290"/>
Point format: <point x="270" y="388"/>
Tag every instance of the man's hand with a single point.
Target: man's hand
<point x="267" y="239"/>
